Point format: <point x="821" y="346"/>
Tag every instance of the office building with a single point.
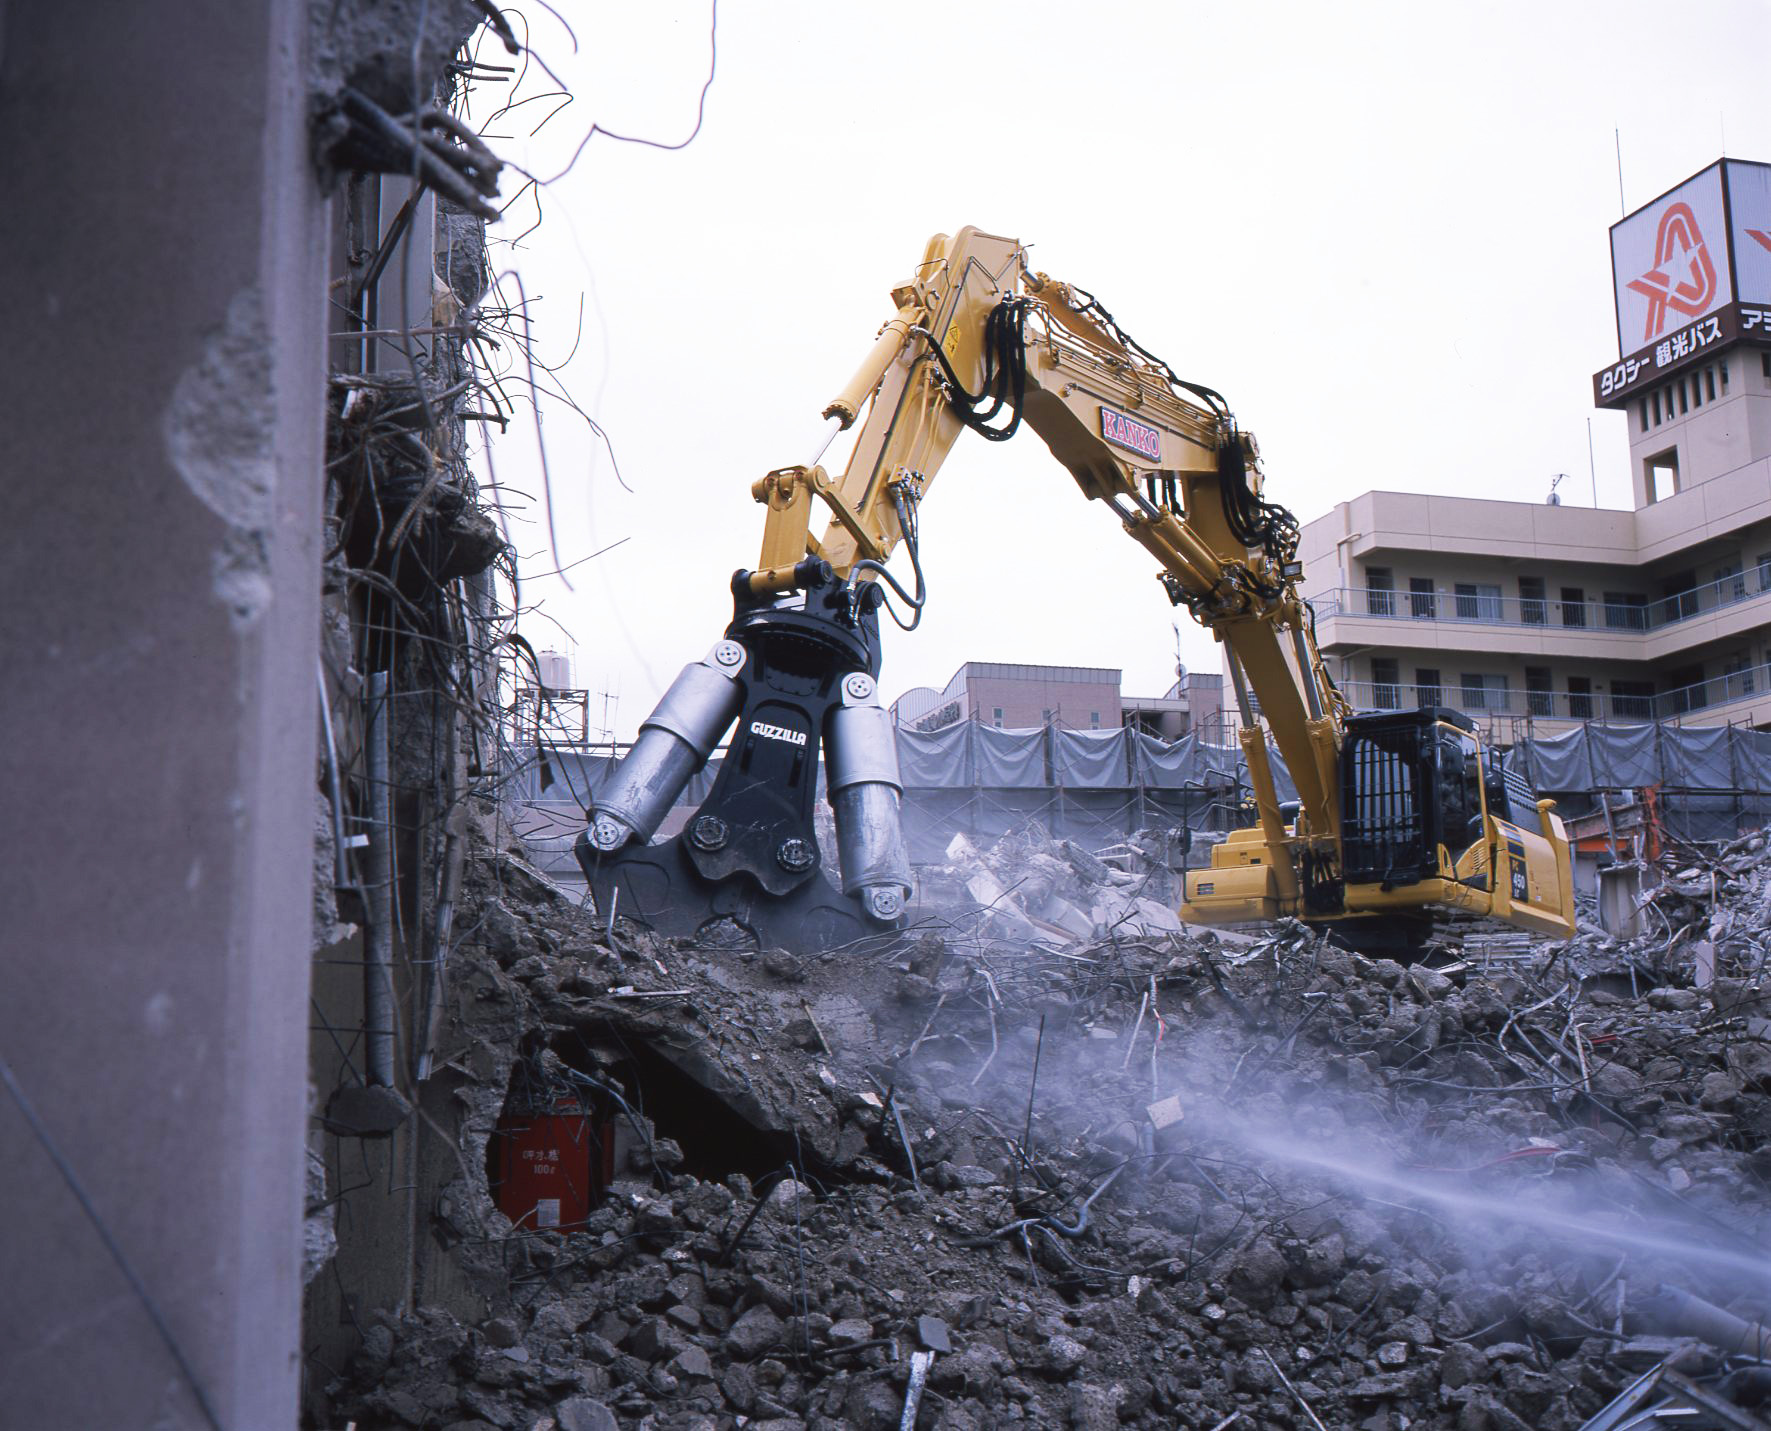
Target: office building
<point x="1528" y="615"/>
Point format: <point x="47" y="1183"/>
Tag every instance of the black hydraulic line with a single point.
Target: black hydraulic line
<point x="1005" y="372"/>
<point x="1211" y="396"/>
<point x="907" y="524"/>
<point x="1253" y="521"/>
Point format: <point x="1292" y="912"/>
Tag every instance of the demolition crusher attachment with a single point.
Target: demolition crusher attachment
<point x="796" y="672"/>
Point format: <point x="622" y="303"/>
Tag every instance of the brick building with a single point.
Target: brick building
<point x="1020" y="696"/>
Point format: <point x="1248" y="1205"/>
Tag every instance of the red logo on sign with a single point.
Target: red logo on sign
<point x="1682" y="277"/>
<point x="1763" y="240"/>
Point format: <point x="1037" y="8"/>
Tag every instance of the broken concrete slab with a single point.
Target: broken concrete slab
<point x="366" y="1111"/>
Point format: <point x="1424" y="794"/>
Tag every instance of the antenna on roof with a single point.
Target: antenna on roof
<point x="1553" y="499"/>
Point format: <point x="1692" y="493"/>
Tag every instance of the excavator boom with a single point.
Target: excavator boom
<point x="1396" y="817"/>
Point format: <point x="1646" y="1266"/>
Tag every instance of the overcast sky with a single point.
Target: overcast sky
<point x="1379" y="230"/>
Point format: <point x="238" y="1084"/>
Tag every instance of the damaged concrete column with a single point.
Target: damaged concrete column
<point x="164" y="250"/>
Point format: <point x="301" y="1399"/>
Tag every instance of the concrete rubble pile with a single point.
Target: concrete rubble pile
<point x="1035" y="890"/>
<point x="1128" y="1175"/>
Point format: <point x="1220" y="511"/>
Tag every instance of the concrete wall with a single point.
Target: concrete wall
<point x="1713" y="435"/>
<point x="163" y="247"/>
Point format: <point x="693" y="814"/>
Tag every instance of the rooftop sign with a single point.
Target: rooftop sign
<point x="1691" y="272"/>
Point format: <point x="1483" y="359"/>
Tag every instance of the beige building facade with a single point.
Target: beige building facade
<point x="1527" y="615"/>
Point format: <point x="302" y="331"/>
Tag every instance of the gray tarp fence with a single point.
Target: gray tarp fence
<point x="1009" y="759"/>
<point x="1095" y="787"/>
<point x="1092" y="786"/>
<point x="1091" y="759"/>
<point x="935" y="758"/>
<point x="1098" y="787"/>
<point x="1713" y="781"/>
<point x="1625" y="757"/>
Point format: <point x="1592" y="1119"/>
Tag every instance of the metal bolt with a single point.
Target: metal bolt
<point x="796" y="855"/>
<point x="607" y="833"/>
<point x="883" y="902"/>
<point x="728" y="653"/>
<point x="859" y="686"/>
<point x="709" y="832"/>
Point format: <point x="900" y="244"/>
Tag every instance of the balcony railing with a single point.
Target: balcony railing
<point x="1549" y="613"/>
<point x="1485" y="701"/>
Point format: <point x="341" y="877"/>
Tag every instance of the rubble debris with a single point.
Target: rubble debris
<point x="1306" y="1188"/>
<point x="1662" y="1397"/>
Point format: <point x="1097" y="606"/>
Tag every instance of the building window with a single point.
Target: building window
<point x="1709" y="383"/>
<point x="1730" y="582"/>
<point x="1540" y="697"/>
<point x="1574" y="606"/>
<point x="1654" y="397"/>
<point x="1426" y="687"/>
<point x="1580" y="698"/>
<point x="996" y="717"/>
<point x="1094" y="720"/>
<point x="1386" y="677"/>
<point x="1484" y="692"/>
<point x="1626" y="610"/>
<point x="1737" y="678"/>
<point x="1533" y="609"/>
<point x="1634" y="699"/>
<point x="1477" y="601"/>
<point x="1662" y="474"/>
<point x="1684" y="400"/>
<point x="1764" y="566"/>
<point x="1724" y="368"/>
<point x="1686" y="690"/>
<point x="1642" y="408"/>
<point x="1679" y="596"/>
<point x="1380" y="591"/>
<point x="1421" y="603"/>
<point x="1765" y="365"/>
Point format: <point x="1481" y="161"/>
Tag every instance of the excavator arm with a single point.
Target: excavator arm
<point x="981" y="341"/>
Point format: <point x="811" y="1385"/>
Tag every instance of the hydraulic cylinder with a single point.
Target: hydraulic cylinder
<point x="674" y="742"/>
<point x="861" y="772"/>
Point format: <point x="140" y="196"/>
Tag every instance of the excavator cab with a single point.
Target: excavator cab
<point x="1432" y="821"/>
<point x="1411" y="785"/>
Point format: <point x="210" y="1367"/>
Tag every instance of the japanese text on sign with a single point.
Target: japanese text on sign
<point x="1687" y="341"/>
<point x="1677" y="349"/>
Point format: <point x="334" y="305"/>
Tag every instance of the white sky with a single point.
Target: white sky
<point x="1379" y="230"/>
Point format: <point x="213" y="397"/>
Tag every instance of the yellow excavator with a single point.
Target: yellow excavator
<point x="1400" y="815"/>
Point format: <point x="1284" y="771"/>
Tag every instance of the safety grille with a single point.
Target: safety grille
<point x="1382" y="821"/>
